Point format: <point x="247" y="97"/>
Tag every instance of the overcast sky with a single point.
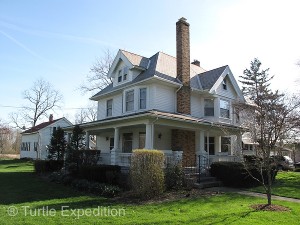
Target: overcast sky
<point x="59" y="40"/>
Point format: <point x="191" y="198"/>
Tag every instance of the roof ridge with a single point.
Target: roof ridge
<point x="212" y="69"/>
<point x="133" y="53"/>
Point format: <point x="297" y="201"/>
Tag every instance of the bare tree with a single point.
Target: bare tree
<point x="87" y="114"/>
<point x="40" y="99"/>
<point x="275" y="116"/>
<point x="97" y="78"/>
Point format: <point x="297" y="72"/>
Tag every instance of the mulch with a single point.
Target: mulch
<point x="266" y="207"/>
<point x="130" y="197"/>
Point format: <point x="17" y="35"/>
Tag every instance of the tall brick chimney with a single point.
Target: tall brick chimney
<point x="183" y="66"/>
<point x="184" y="140"/>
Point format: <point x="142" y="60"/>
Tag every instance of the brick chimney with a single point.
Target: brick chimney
<point x="51" y="118"/>
<point x="183" y="66"/>
<point x="184" y="140"/>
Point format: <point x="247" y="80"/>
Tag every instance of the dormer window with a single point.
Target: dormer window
<point x="224" y="84"/>
<point x="120" y="76"/>
<point x="125" y="69"/>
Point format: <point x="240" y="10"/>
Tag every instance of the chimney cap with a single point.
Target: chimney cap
<point x="183" y="20"/>
<point x="196" y="62"/>
<point x="51" y="118"/>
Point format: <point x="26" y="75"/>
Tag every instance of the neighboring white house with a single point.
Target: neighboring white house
<point x="167" y="103"/>
<point x="35" y="139"/>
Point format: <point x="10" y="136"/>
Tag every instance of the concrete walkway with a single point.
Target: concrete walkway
<point x="249" y="193"/>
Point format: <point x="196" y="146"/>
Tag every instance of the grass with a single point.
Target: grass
<point x="20" y="188"/>
<point x="287" y="184"/>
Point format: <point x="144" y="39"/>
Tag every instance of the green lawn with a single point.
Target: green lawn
<point x="287" y="184"/>
<point x="20" y="188"/>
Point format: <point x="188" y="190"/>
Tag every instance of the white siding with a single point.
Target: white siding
<point x="229" y="92"/>
<point x="163" y="143"/>
<point x="164" y="98"/>
<point x="117" y="105"/>
<point x="101" y="109"/>
<point x="196" y="105"/>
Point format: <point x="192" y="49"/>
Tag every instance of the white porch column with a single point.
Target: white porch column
<point x="218" y="144"/>
<point x="87" y="140"/>
<point x="116" y="146"/>
<point x="202" y="142"/>
<point x="149" y="136"/>
<point x="69" y="135"/>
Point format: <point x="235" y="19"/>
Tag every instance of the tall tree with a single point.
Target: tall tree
<point x="57" y="146"/>
<point x="97" y="78"/>
<point x="275" y="115"/>
<point x="40" y="99"/>
<point x="87" y="114"/>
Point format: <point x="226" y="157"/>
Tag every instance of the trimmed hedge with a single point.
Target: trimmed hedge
<point x="46" y="166"/>
<point x="146" y="171"/>
<point x="234" y="174"/>
<point x="100" y="173"/>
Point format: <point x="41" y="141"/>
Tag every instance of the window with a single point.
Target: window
<point x="210" y="145"/>
<point x="142" y="140"/>
<point x="111" y="143"/>
<point x="224" y="108"/>
<point x="129" y="99"/>
<point x="127" y="142"/>
<point x="25" y="146"/>
<point x="209" y="107"/>
<point x="120" y="76"/>
<point x="125" y="69"/>
<point x="225" y="144"/>
<point x="224" y="84"/>
<point x="109" y="104"/>
<point x="143" y="98"/>
<point x="35" y="146"/>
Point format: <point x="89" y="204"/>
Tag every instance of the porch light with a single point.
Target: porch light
<point x="159" y="135"/>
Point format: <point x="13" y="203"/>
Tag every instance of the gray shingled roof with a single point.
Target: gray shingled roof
<point x="164" y="66"/>
<point x="209" y="78"/>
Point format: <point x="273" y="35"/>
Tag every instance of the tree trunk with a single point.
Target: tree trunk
<point x="269" y="185"/>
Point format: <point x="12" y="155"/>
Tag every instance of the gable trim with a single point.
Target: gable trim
<point x="227" y="72"/>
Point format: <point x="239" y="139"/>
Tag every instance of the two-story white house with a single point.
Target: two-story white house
<point x="35" y="140"/>
<point x="167" y="103"/>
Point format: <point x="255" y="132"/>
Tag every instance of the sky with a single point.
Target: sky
<point x="59" y="40"/>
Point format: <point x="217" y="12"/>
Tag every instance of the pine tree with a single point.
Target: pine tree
<point x="57" y="145"/>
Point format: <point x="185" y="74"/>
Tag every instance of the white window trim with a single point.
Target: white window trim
<point x="229" y="103"/>
<point x="134" y="100"/>
<point x="139" y="97"/>
<point x="112" y="107"/>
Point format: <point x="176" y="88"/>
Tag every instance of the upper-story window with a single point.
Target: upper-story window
<point x="109" y="104"/>
<point x="129" y="99"/>
<point x="143" y="98"/>
<point x="224" y="84"/>
<point x="224" y="109"/>
<point x="120" y="76"/>
<point x="209" y="107"/>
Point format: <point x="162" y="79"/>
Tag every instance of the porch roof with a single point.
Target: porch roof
<point x="157" y="114"/>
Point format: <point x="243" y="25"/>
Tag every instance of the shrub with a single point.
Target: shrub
<point x="234" y="174"/>
<point x="45" y="166"/>
<point x="100" y="173"/>
<point x="80" y="184"/>
<point x="174" y="176"/>
<point x="146" y="170"/>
